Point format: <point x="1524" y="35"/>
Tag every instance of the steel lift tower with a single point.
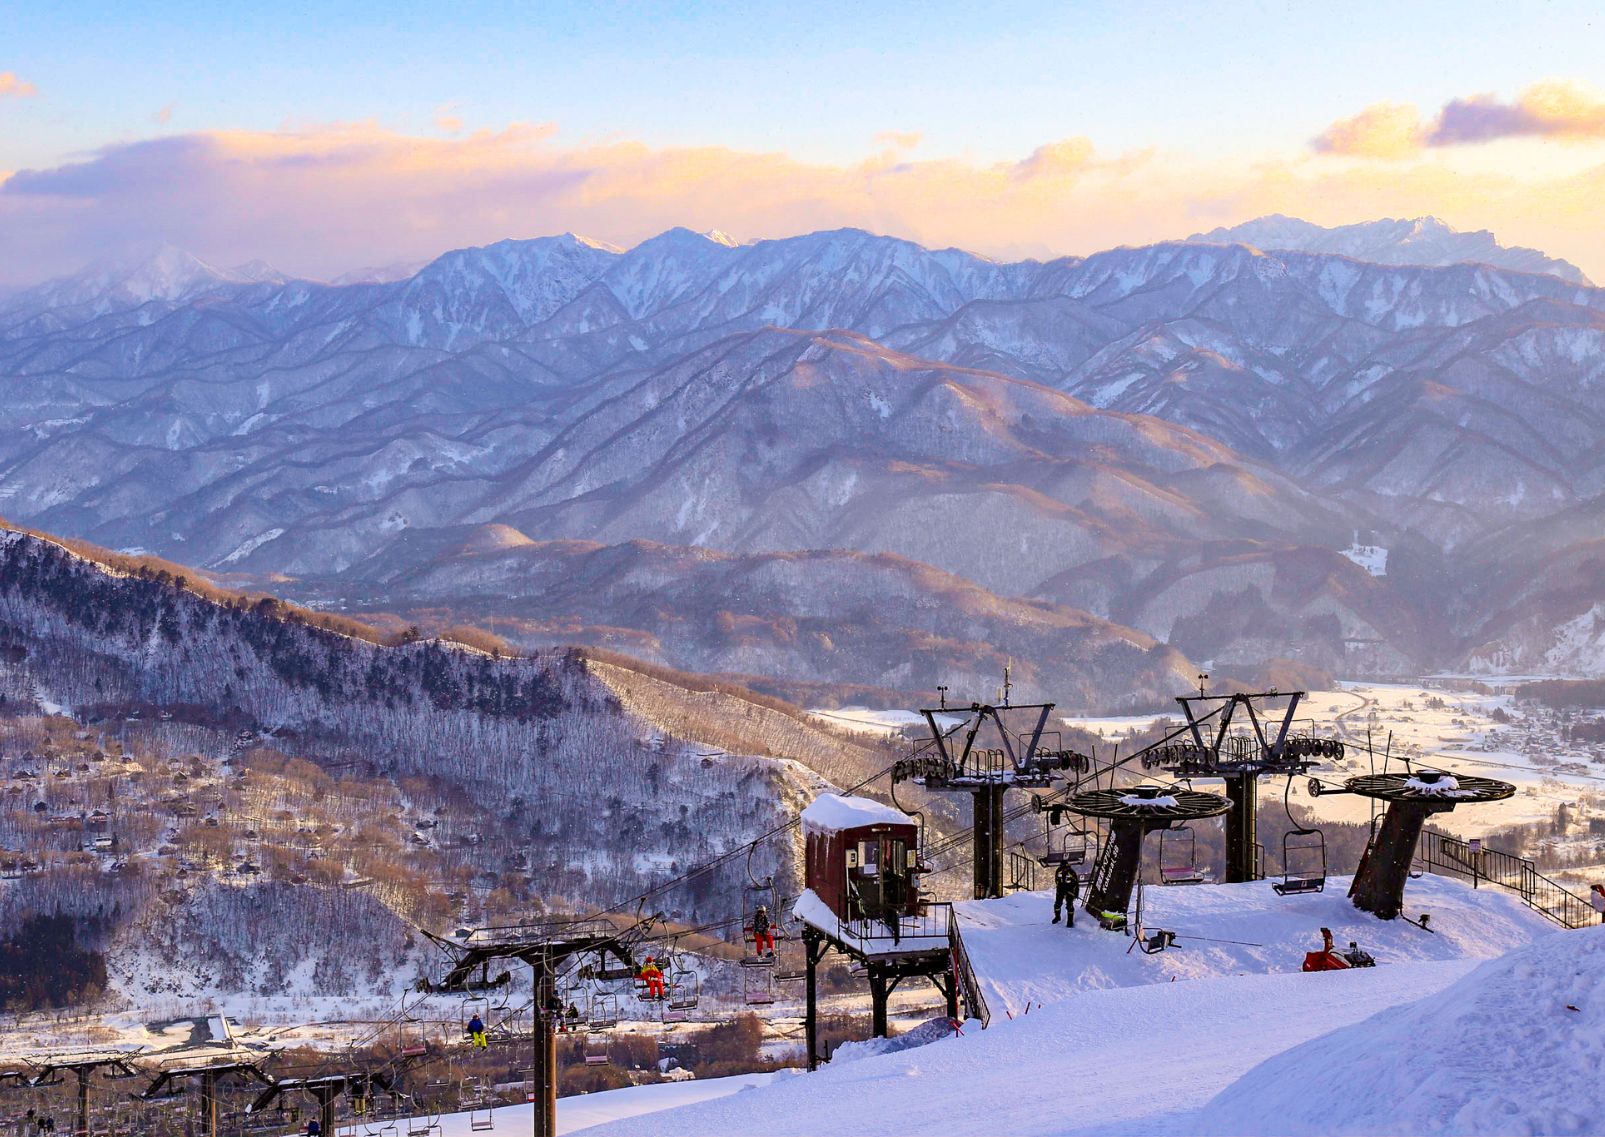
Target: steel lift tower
<point x="547" y="948"/>
<point x="981" y="755"/>
<point x="1266" y="748"/>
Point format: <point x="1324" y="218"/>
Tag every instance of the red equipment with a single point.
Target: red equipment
<point x="1327" y="959"/>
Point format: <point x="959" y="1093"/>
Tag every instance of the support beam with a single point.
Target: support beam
<point x="326" y="1111"/>
<point x="813" y="951"/>
<point x="209" y="1104"/>
<point x="82" y="1128"/>
<point x="1378" y="885"/>
<point x="1115" y="875"/>
<point x="878" y="992"/>
<point x="988" y="843"/>
<point x="544" y="1059"/>
<point x="1242" y="828"/>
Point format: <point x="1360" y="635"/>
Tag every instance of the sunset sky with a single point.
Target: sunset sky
<point x="325" y="137"/>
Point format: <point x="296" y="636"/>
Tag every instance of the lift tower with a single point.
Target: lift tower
<point x="82" y="1064"/>
<point x="547" y="948"/>
<point x="982" y="755"/>
<point x="1132" y="814"/>
<point x="1241" y="758"/>
<point x="1378" y="886"/>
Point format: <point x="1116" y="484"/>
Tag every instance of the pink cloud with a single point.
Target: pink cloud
<point x="1382" y="130"/>
<point x="12" y="86"/>
<point x="1547" y="110"/>
<point x="1553" y="109"/>
<point x="319" y="201"/>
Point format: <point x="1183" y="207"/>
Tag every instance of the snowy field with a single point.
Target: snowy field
<point x="1024" y="961"/>
<point x="585" y="1111"/>
<point x="881" y="723"/>
<point x="1225" y="1036"/>
<point x="1102" y="1042"/>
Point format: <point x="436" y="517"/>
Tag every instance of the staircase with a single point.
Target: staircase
<point x="964" y="975"/>
<point x="1450" y="856"/>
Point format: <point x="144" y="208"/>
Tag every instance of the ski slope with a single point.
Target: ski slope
<point x="587" y="1110"/>
<point x="1230" y="929"/>
<point x="1105" y="1042"/>
<point x="1517" y="1046"/>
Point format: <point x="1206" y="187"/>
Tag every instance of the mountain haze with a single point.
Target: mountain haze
<point x="1136" y="436"/>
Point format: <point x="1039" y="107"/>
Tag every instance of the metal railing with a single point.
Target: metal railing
<point x="1449" y="856"/>
<point x="934" y="921"/>
<point x="964" y="975"/>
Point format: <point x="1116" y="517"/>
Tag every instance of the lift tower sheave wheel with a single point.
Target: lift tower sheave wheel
<point x="1132" y="814"/>
<point x="1378" y="886"/>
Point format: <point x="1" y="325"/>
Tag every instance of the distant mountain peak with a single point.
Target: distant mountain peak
<point x="1390" y="240"/>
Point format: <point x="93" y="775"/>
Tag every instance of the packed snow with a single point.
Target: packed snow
<point x="1094" y="1038"/>
<point x="1517" y="1046"/>
<point x="584" y="1111"/>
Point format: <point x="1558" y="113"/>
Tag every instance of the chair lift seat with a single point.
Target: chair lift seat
<point x="1300" y="885"/>
<point x="1182" y="874"/>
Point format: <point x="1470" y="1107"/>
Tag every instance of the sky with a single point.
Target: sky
<point x="324" y="137"/>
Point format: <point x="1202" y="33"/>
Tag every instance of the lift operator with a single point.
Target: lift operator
<point x="1066" y="890"/>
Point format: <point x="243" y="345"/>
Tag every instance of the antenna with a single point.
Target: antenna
<point x="942" y="691"/>
<point x="1007" y="667"/>
<point x="1203" y="677"/>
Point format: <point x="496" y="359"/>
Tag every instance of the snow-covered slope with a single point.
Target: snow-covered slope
<point x="1517" y="1046"/>
<point x="1138" y="1044"/>
<point x="1228" y="929"/>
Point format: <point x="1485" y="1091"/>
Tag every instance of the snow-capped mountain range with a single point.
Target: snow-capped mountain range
<point x="1180" y="438"/>
<point x="1392" y="241"/>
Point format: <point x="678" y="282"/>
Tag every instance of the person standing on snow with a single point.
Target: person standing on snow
<point x="1596" y="897"/>
<point x="1066" y="890"/>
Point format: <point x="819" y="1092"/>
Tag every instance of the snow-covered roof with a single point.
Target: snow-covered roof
<point x="832" y="811"/>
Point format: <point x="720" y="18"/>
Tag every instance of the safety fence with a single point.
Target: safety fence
<point x="1450" y="856"/>
<point x="934" y="921"/>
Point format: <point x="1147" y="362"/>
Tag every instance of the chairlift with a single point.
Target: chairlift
<point x="684" y="989"/>
<point x="481" y="1119"/>
<point x="1303" y="856"/>
<point x="425" y="1125"/>
<point x="604" y="1012"/>
<point x="758" y="986"/>
<point x="1178" y="857"/>
<point x="596" y="1044"/>
<point x="1303" y="862"/>
<point x="476" y="1006"/>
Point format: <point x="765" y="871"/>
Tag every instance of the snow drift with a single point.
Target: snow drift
<point x="1515" y="1047"/>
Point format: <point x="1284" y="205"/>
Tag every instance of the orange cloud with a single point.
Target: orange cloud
<point x="319" y="201"/>
<point x="1382" y="130"/>
<point x="11" y="86"/>
<point x="1552" y="109"/>
<point x="447" y="119"/>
